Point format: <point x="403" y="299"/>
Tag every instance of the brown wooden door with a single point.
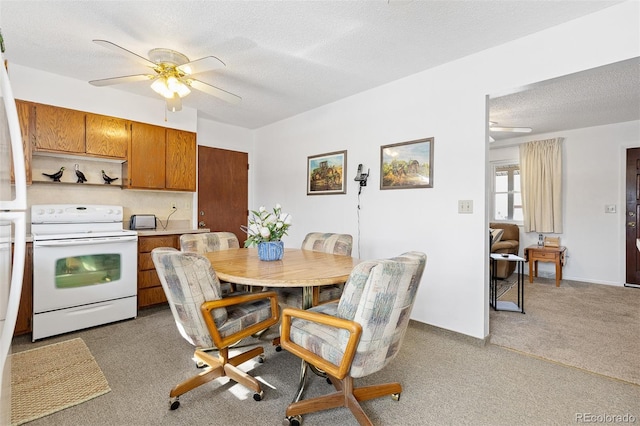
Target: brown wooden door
<point x="632" y="224"/>
<point x="107" y="136"/>
<point x="181" y="160"/>
<point x="146" y="168"/>
<point x="223" y="179"/>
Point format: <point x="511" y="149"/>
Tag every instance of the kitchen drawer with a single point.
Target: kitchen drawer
<point x="151" y="296"/>
<point x="146" y="244"/>
<point x="145" y="262"/>
<point x="148" y="279"/>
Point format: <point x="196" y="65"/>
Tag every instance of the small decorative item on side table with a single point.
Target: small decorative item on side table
<point x="493" y="288"/>
<point x="265" y="230"/>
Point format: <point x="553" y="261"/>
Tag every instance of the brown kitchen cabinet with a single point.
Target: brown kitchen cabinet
<point x="150" y="290"/>
<point x="59" y="130"/>
<point x="146" y="166"/>
<point x="161" y="158"/>
<point x="25" y="311"/>
<point x="107" y="136"/>
<point x="181" y="160"/>
<point x="24" y="116"/>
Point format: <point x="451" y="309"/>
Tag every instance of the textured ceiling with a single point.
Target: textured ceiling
<point x="282" y="57"/>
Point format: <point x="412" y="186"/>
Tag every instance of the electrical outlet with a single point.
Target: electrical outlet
<point x="173" y="205"/>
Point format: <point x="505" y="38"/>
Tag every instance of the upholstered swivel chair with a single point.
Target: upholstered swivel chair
<point x="208" y="242"/>
<point x="209" y="321"/>
<point x="324" y="242"/>
<point x="356" y="336"/>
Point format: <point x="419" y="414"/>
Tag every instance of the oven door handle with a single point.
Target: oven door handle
<point x="84" y="241"/>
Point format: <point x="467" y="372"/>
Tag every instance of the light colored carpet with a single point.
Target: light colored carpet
<point x="589" y="326"/>
<point x="52" y="378"/>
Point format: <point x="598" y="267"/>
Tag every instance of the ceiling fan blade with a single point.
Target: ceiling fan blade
<point x="214" y="91"/>
<point x="511" y="129"/>
<point x="112" y="46"/>
<point x="174" y="104"/>
<point x="120" y="80"/>
<point x="207" y="63"/>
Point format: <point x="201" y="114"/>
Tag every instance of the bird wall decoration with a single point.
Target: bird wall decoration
<point x="55" y="176"/>
<point x="107" y="179"/>
<point x="80" y="175"/>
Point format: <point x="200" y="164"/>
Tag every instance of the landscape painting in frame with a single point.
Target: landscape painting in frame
<point x="325" y="173"/>
<point x="407" y="165"/>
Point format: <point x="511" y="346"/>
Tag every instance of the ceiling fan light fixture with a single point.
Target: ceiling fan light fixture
<point x="160" y="87"/>
<point x="177" y="86"/>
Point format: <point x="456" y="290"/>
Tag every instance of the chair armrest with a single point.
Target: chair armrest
<point x="354" y="329"/>
<point x="210" y="305"/>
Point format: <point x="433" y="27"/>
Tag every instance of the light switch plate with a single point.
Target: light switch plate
<point x="465" y="206"/>
<point x="610" y="208"/>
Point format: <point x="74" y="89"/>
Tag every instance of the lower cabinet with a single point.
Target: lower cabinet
<point x="150" y="290"/>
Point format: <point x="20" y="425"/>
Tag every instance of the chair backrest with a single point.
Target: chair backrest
<point x="188" y="281"/>
<point x="379" y="295"/>
<point x="209" y="241"/>
<point x="328" y="243"/>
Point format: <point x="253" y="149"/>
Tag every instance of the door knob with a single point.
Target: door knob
<point x="201" y="212"/>
<point x="201" y="224"/>
<point x="632" y="214"/>
<point x="631" y="224"/>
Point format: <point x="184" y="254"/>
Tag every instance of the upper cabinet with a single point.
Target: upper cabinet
<point x="154" y="157"/>
<point x="59" y="130"/>
<point x="181" y="160"/>
<point x="161" y="158"/>
<point x="146" y="166"/>
<point x="107" y="136"/>
<point x="24" y="116"/>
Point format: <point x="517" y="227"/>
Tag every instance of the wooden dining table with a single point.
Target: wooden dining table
<point x="297" y="268"/>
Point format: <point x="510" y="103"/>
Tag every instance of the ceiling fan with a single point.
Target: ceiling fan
<point x="493" y="127"/>
<point x="172" y="74"/>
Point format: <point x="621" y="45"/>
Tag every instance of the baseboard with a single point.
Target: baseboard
<point x="450" y="333"/>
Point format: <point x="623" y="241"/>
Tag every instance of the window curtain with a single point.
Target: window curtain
<point x="541" y="185"/>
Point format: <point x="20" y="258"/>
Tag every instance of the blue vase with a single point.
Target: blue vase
<point x="270" y="250"/>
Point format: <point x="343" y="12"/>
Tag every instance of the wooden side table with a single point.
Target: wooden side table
<point x="535" y="254"/>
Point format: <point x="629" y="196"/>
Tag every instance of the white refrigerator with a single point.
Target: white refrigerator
<point x="13" y="207"/>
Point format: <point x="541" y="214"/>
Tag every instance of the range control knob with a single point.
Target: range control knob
<point x="51" y="211"/>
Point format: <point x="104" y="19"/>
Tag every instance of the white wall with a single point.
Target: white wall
<point x="448" y="103"/>
<point x="594" y="162"/>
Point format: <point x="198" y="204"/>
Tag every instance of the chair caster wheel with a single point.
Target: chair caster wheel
<point x="292" y="421"/>
<point x="329" y="381"/>
<point x="258" y="396"/>
<point x="261" y="359"/>
<point x="278" y="348"/>
<point x="395" y="396"/>
<point x="174" y="404"/>
<point x="200" y="364"/>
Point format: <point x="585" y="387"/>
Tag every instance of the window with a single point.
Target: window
<point x="507" y="199"/>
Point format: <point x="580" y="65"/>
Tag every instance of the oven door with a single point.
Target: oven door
<point x="79" y="271"/>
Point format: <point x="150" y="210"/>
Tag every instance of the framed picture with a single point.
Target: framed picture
<point x="325" y="173"/>
<point x="407" y="165"/>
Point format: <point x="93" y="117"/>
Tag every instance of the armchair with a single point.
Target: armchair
<point x="207" y="320"/>
<point x="357" y="336"/>
<point x="327" y="243"/>
<point x="507" y="243"/>
<point x="211" y="241"/>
